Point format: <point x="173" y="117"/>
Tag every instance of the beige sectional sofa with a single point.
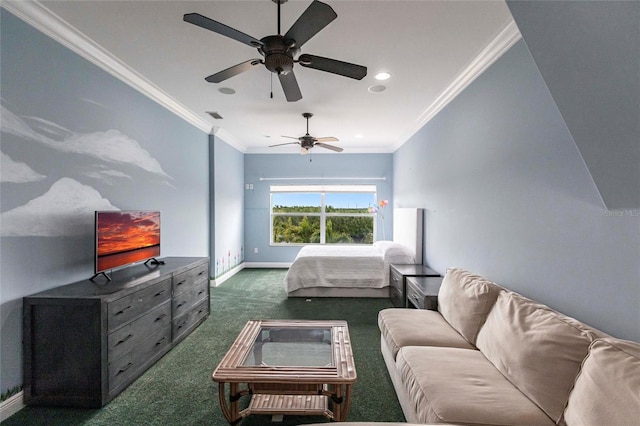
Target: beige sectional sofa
<point x="490" y="356"/>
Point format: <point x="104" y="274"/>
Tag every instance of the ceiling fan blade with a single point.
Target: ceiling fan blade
<point x="232" y="71"/>
<point x="331" y="147"/>
<point x="334" y="66"/>
<point x="327" y="139"/>
<point x="290" y="86"/>
<point x="290" y="137"/>
<point x="217" y="27"/>
<point x="287" y="143"/>
<point x="317" y="16"/>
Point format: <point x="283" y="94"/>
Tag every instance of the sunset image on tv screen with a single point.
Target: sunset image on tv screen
<point x="126" y="237"/>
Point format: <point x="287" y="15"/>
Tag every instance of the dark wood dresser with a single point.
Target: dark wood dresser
<point x="86" y="342"/>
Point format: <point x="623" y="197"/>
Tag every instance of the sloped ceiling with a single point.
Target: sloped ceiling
<point x="588" y="53"/>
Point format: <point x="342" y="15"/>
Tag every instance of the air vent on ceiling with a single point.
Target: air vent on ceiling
<point x="214" y="115"/>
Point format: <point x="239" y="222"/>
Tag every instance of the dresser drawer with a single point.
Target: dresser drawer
<point x="396" y="296"/>
<point x="396" y="280"/>
<point x="422" y="292"/>
<point x="125" y="338"/>
<point x="185" y="322"/>
<point x="184" y="301"/>
<point x="133" y="305"/>
<point x="125" y="368"/>
<point x="188" y="279"/>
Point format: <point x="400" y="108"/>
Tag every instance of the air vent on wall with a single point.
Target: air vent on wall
<point x="215" y="115"/>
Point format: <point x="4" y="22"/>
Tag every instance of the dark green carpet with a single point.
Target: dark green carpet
<point x="178" y="389"/>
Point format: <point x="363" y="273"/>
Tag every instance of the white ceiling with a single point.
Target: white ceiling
<point x="431" y="48"/>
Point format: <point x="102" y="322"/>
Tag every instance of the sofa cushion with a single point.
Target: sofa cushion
<point x="539" y="350"/>
<point x="417" y="327"/>
<point x="465" y="299"/>
<point x="607" y="390"/>
<point x="452" y="385"/>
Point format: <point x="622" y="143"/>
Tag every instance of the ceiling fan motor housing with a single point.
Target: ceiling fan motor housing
<point x="307" y="141"/>
<point x="278" y="55"/>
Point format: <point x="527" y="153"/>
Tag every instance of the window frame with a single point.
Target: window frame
<point x="323" y="214"/>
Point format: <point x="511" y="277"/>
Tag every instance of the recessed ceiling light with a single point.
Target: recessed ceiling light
<point x="377" y="89"/>
<point x="382" y="76"/>
<point x="226" y="90"/>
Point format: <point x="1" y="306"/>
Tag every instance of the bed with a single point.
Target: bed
<point x="356" y="270"/>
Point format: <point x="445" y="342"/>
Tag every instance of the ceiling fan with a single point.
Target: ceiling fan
<point x="307" y="141"/>
<point x="280" y="52"/>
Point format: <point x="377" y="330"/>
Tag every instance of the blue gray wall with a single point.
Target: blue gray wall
<point x="509" y="197"/>
<point x="74" y="140"/>
<point x="229" y="208"/>
<point x="299" y="170"/>
<point x="588" y="53"/>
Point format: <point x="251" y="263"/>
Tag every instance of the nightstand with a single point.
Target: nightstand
<point x="422" y="292"/>
<point x="397" y="281"/>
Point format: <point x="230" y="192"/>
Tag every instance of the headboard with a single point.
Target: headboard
<point x="408" y="229"/>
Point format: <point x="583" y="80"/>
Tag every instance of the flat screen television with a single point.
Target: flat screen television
<point x="125" y="237"/>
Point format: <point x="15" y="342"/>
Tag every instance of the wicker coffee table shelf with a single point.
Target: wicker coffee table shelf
<point x="289" y="367"/>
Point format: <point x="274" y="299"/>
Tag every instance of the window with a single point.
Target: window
<point x="322" y="214"/>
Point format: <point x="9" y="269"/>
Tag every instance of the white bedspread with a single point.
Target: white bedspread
<point x="338" y="266"/>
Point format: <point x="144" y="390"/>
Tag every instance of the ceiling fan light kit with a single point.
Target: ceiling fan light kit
<point x="280" y="52"/>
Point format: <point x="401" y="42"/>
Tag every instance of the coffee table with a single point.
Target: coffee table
<point x="289" y="367"/>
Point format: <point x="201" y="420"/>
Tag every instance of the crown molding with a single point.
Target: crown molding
<point x="228" y="138"/>
<point x="506" y="38"/>
<point x="47" y="22"/>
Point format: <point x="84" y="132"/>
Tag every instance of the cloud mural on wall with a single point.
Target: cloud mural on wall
<point x="106" y="175"/>
<point x="66" y="209"/>
<point x="107" y="146"/>
<point x="17" y="172"/>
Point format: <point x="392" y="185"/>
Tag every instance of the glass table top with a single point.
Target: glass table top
<point x="291" y="347"/>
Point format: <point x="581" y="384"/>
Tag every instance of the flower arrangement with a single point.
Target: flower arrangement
<point x="379" y="209"/>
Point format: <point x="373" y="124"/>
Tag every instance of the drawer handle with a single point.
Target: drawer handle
<point x="182" y="325"/>
<point x="125" y="368"/>
<point x="181" y="282"/>
<point x="200" y="292"/>
<point x="202" y="310"/>
<point x="180" y="304"/>
<point x="160" y="317"/>
<point x="125" y="339"/>
<point x="201" y="272"/>
<point x="159" y="342"/>
<point x="122" y="311"/>
<point x="160" y="292"/>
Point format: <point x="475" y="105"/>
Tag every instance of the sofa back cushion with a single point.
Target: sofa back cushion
<point x="607" y="390"/>
<point x="539" y="350"/>
<point x="464" y="300"/>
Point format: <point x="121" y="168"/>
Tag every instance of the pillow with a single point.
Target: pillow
<point x="606" y="390"/>
<point x="395" y="252"/>
<point x="465" y="299"/>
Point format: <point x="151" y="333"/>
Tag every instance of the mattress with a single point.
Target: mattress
<point x="345" y="266"/>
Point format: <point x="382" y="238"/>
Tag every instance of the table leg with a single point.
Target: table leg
<point x="341" y="398"/>
<point x="230" y="410"/>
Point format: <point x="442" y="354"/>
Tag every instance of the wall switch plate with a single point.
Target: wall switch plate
<point x="255" y="249"/>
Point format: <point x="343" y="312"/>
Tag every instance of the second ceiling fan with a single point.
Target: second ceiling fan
<point x="280" y="52"/>
<point x="307" y="141"/>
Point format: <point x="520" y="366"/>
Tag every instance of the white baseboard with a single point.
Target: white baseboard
<point x="267" y="264"/>
<point x="231" y="272"/>
<point x="11" y="406"/>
